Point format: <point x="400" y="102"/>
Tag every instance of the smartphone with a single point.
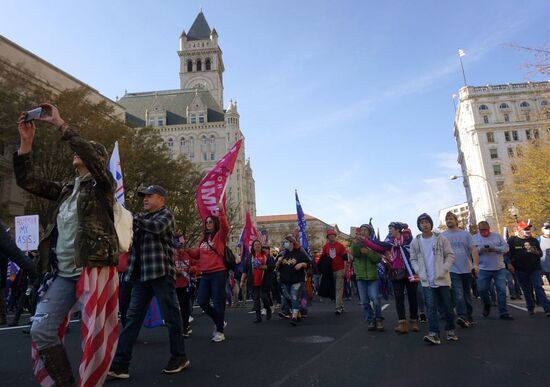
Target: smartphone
<point x="33" y="114"/>
<point x="486" y="246"/>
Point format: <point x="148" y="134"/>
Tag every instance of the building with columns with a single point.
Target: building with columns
<point x="192" y="119"/>
<point x="491" y="124"/>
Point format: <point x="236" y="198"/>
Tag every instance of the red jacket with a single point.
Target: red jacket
<point x="210" y="258"/>
<point x="185" y="270"/>
<point x="338" y="253"/>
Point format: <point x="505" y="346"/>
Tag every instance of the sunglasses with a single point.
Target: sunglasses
<point x="209" y="222"/>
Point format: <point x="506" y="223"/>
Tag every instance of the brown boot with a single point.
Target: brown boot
<point x="414" y="326"/>
<point x="402" y="327"/>
<point x="57" y="364"/>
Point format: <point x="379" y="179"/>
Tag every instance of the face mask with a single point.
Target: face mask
<point x="485" y="233"/>
<point x="286" y="245"/>
<point x="546" y="231"/>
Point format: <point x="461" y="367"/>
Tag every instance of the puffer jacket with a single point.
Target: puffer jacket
<point x="444" y="259"/>
<point x="96" y="242"/>
<point x="365" y="264"/>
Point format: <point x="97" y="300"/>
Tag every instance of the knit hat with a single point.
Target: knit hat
<point x="424" y="216"/>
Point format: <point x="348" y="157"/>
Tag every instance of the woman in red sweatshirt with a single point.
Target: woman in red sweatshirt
<point x="210" y="263"/>
<point x="185" y="285"/>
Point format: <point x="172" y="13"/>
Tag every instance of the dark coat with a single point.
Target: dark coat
<point x="267" y="281"/>
<point x="326" y="286"/>
<point x="96" y="242"/>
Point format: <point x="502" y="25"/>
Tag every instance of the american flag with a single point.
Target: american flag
<point x="116" y="171"/>
<point x="97" y="292"/>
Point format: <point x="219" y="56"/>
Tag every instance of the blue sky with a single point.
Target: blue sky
<point x="348" y="101"/>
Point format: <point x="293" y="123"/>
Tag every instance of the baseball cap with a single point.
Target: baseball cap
<point x="153" y="189"/>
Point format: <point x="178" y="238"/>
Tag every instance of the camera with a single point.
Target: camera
<point x="33" y="114"/>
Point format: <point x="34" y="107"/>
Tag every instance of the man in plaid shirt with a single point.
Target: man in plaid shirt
<point x="152" y="273"/>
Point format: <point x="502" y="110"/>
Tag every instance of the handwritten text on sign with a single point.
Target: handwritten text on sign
<point x="26" y="232"/>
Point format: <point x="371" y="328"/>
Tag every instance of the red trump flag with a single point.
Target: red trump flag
<point x="212" y="186"/>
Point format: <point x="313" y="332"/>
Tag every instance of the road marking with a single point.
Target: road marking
<point x="385" y="306"/>
<point x="25" y="326"/>
<point x="518" y="307"/>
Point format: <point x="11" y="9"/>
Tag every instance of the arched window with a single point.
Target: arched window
<point x="182" y="142"/>
<point x="544" y="103"/>
<point x="483" y="107"/>
<point x="199" y="65"/>
<point x="189" y="65"/>
<point x="208" y="64"/>
<point x="170" y="143"/>
<point x="504" y="106"/>
<point x="524" y="104"/>
<point x="212" y="140"/>
<point x="204" y="140"/>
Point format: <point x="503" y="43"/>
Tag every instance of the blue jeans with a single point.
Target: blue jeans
<point x="462" y="289"/>
<point x="484" y="282"/>
<point x="368" y="292"/>
<point x="293" y="294"/>
<point x="212" y="285"/>
<point x="164" y="290"/>
<point x="533" y="280"/>
<point x="52" y="310"/>
<point x="439" y="299"/>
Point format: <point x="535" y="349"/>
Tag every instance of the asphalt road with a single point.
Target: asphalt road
<point x="325" y="350"/>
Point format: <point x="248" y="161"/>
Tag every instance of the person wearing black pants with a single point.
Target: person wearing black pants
<point x="399" y="287"/>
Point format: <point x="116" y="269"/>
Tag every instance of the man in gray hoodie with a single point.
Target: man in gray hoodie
<point x="432" y="257"/>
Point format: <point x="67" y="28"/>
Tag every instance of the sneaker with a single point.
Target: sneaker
<point x="293" y="321"/>
<point x="186" y="333"/>
<point x="471" y="322"/>
<point x="451" y="336"/>
<point x="462" y="322"/>
<point x="216" y="328"/>
<point x="218" y="337"/>
<point x="432" y="338"/>
<point x="380" y="325"/>
<point x="284" y="315"/>
<point x="371" y="326"/>
<point x="548" y="314"/>
<point x="191" y="318"/>
<point x="339" y="311"/>
<point x="506" y="316"/>
<point x="176" y="364"/>
<point x="486" y="310"/>
<point x="118" y="371"/>
<point x="531" y="312"/>
<point x="263" y="312"/>
<point x="422" y="318"/>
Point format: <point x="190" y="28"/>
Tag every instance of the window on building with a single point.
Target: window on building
<point x="500" y="185"/>
<point x="506" y="117"/>
<point x="199" y="65"/>
<point x="515" y="135"/>
<point x="201" y="118"/>
<point x="161" y="122"/>
<point x="527" y="117"/>
<point x="483" y="107"/>
<point x="524" y="104"/>
<point x="494" y="153"/>
<point x="528" y="134"/>
<point x="204" y="156"/>
<point x="213" y="156"/>
<point x="504" y="106"/>
<point x="189" y="65"/>
<point x="490" y="137"/>
<point x="543" y="103"/>
<point x="208" y="64"/>
<point x="496" y="169"/>
<point x="213" y="140"/>
<point x="193" y="119"/>
<point x="507" y="136"/>
<point x="536" y="134"/>
<point x="485" y="119"/>
<point x="170" y="143"/>
<point x="510" y="152"/>
<point x="204" y="140"/>
<point x="152" y="122"/>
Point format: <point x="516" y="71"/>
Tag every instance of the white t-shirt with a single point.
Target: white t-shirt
<point x="428" y="247"/>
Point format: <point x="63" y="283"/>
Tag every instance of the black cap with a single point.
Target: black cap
<point x="546" y="225"/>
<point x="424" y="216"/>
<point x="153" y="189"/>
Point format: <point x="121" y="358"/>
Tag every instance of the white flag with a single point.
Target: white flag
<point x="116" y="171"/>
<point x="461" y="52"/>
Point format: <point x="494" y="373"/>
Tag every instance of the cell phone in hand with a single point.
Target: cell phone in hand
<point x="33" y="114"/>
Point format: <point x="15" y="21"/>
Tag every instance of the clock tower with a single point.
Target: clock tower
<point x="201" y="63"/>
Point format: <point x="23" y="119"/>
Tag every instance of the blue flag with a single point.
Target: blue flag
<point x="302" y="225"/>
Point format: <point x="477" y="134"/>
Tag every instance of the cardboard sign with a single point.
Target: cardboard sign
<point x="26" y="232"/>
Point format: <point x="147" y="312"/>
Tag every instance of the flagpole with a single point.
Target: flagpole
<point x="460" y="55"/>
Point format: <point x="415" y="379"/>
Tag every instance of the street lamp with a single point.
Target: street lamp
<point x="492" y="194"/>
<point x="514" y="212"/>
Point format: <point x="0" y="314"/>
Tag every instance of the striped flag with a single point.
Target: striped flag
<point x="97" y="292"/>
<point x="116" y="171"/>
<point x="461" y="52"/>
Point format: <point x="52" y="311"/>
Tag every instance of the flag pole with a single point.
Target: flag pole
<point x="460" y="55"/>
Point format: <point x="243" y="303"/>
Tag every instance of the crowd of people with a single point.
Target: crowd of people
<point x="437" y="273"/>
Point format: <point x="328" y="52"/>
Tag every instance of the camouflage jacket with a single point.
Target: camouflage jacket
<point x="96" y="242"/>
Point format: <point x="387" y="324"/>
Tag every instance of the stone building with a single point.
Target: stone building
<point x="491" y="124"/>
<point x="192" y="119"/>
<point x="461" y="211"/>
<point x="38" y="72"/>
<point x="278" y="226"/>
